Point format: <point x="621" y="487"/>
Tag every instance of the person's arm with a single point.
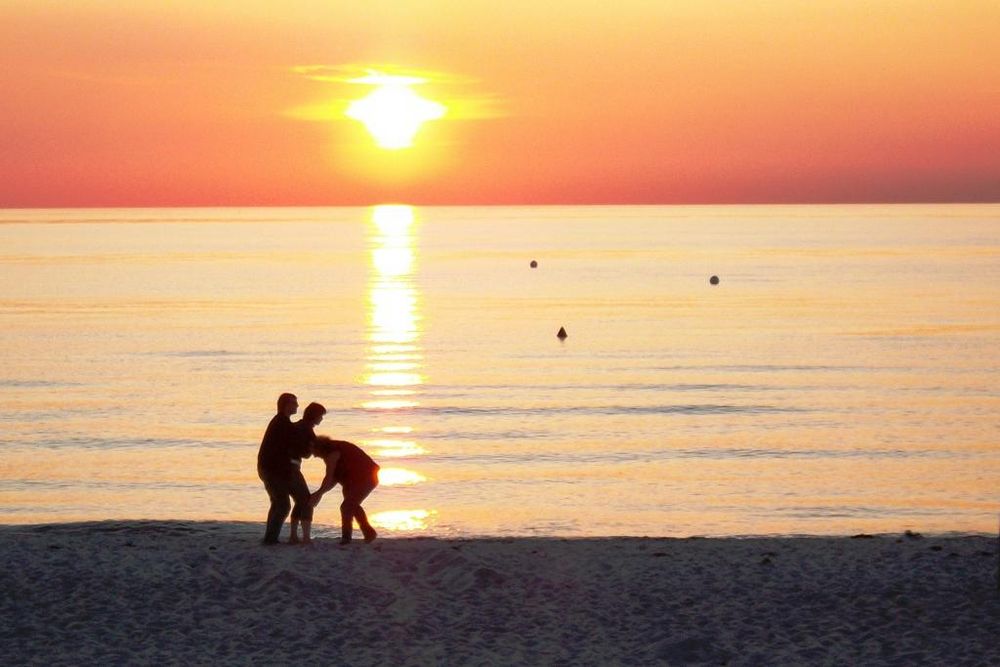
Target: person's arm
<point x="329" y="481"/>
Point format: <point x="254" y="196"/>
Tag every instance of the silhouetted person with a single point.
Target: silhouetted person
<point x="357" y="474"/>
<point x="302" y="511"/>
<point x="274" y="464"/>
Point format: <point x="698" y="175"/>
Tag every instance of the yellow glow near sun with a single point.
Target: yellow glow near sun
<point x="393" y="112"/>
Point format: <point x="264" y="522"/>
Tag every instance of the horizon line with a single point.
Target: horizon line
<point x="693" y="204"/>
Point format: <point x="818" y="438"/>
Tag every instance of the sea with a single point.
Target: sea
<point x="839" y="377"/>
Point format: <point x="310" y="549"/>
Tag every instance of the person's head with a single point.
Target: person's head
<point x="313" y="414"/>
<point x="321" y="446"/>
<point x="288" y="404"/>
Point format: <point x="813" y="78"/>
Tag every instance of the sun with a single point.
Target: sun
<point x="393" y="112"/>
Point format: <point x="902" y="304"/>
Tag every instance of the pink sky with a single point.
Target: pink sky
<point x="696" y="101"/>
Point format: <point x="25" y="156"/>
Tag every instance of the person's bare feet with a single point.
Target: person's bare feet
<point x="370" y="535"/>
<point x="294" y="540"/>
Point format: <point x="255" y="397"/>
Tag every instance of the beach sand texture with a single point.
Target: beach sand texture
<point x="208" y="593"/>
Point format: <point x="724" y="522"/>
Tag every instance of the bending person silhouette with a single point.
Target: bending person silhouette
<point x="357" y="474"/>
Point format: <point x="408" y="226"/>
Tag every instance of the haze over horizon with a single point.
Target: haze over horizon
<point x="113" y="104"/>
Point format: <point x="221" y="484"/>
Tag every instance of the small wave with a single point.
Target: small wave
<point x="760" y="453"/>
<point x="695" y="409"/>
<point x="137" y="526"/>
<point x="705" y="409"/>
<point x="37" y="384"/>
<point x="650" y="456"/>
<point x="105" y="485"/>
<point x="514" y="434"/>
<point x="82" y="442"/>
<point x="633" y="386"/>
<point x="777" y="368"/>
<point x="844" y="512"/>
<point x="202" y="353"/>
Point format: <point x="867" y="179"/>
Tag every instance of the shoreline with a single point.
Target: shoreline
<point x="206" y="592"/>
<point x="331" y="531"/>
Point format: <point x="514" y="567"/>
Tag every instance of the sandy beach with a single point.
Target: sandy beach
<point x="208" y="593"/>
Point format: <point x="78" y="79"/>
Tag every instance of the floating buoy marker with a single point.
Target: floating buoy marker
<point x="562" y="334"/>
<point x="714" y="280"/>
<point x="534" y="264"/>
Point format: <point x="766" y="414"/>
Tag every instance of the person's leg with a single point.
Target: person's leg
<point x="354" y="494"/>
<point x="366" y="528"/>
<point x="359" y="513"/>
<point x="293" y="533"/>
<point x="302" y="511"/>
<point x="277" y="491"/>
<point x="346" y="519"/>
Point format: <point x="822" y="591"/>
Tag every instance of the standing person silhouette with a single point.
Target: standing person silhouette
<point x="302" y="511"/>
<point x="357" y="474"/>
<point x="274" y="464"/>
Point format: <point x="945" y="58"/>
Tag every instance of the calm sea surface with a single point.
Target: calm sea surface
<point x="842" y="376"/>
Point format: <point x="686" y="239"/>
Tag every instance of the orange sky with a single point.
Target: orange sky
<point x="140" y="103"/>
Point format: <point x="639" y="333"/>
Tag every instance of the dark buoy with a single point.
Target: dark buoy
<point x="714" y="280"/>
<point x="562" y="334"/>
<point x="534" y="264"/>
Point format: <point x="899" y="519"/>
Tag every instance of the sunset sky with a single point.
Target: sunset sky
<point x="192" y="103"/>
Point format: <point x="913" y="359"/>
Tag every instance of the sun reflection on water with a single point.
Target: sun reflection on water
<point x="389" y="404"/>
<point x="395" y="359"/>
<point x="399" y="477"/>
<point x="393" y="366"/>
<point x="385" y="379"/>
<point x="403" y="520"/>
<point x="395" y="448"/>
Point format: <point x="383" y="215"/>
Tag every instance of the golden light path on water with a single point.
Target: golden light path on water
<point x="394" y="360"/>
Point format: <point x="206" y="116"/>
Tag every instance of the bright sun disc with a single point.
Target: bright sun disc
<point x="393" y="112"/>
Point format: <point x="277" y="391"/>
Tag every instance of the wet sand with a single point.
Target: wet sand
<point x="208" y="593"/>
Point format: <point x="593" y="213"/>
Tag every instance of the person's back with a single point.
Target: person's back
<point x="354" y="463"/>
<point x="274" y="456"/>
